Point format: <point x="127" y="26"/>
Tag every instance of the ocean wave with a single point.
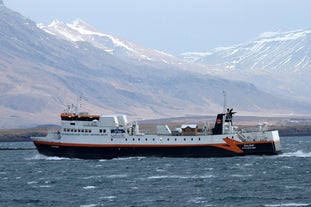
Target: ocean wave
<point x="89" y="187"/>
<point x="117" y="176"/>
<point x="287" y="204"/>
<point x="241" y="175"/>
<point x="180" y="177"/>
<point x="43" y="157"/>
<point x="89" y="205"/>
<point x="298" y="153"/>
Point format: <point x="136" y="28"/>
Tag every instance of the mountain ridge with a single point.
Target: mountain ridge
<point x="284" y="46"/>
<point x="42" y="73"/>
<point x="279" y="63"/>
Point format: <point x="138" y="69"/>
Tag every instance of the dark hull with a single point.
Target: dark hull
<point x="107" y="152"/>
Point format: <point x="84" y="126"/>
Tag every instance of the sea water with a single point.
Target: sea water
<point x="30" y="179"/>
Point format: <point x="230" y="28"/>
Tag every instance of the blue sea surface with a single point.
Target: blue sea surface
<point x="30" y="179"/>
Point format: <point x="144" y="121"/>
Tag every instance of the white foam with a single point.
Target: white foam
<point x="128" y="158"/>
<point x="89" y="205"/>
<point x="32" y="182"/>
<point x="241" y="176"/>
<point x="287" y="204"/>
<point x="180" y="177"/>
<point x="298" y="153"/>
<point x="117" y="176"/>
<point x="43" y="157"/>
<point x="44" y="186"/>
<point x="89" y="187"/>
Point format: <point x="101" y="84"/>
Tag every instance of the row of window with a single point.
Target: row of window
<point x="153" y="139"/>
<point x="78" y="130"/>
<point x="82" y="130"/>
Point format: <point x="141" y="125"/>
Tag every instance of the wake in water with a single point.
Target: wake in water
<point x="298" y="153"/>
<point x="43" y="157"/>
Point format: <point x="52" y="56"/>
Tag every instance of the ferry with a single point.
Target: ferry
<point x="87" y="136"/>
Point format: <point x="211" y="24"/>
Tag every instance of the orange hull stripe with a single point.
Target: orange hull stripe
<point x="229" y="146"/>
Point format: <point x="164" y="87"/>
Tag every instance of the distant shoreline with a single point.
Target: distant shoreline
<point x="23" y="135"/>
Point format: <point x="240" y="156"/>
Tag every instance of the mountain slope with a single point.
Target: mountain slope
<point x="287" y="51"/>
<point x="279" y="63"/>
<point x="120" y="48"/>
<point x="41" y="73"/>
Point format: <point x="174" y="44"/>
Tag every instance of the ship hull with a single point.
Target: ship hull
<point x="196" y="151"/>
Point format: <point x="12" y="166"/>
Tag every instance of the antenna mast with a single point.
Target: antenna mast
<point x="225" y="101"/>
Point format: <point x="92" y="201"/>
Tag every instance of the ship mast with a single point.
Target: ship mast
<point x="225" y="101"/>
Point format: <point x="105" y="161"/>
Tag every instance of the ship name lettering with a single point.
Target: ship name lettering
<point x="249" y="146"/>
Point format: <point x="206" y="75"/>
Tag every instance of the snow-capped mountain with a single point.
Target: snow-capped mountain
<point x="123" y="49"/>
<point x="279" y="63"/>
<point x="271" y="51"/>
<point x="41" y="73"/>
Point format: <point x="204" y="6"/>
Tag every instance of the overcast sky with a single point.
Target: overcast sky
<point x="175" y="26"/>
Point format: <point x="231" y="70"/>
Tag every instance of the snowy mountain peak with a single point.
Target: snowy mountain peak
<point x="284" y="36"/>
<point x="84" y="28"/>
<point x="270" y="51"/>
<point x="79" y="30"/>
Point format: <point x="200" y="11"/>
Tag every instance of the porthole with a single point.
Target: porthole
<point x="175" y="139"/>
<point x="184" y="139"/>
<point x="191" y="139"/>
<point x="199" y="139"/>
<point x="133" y="139"/>
<point x="146" y="139"/>
<point x="138" y="139"/>
<point x="168" y="139"/>
<point x="100" y="131"/>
